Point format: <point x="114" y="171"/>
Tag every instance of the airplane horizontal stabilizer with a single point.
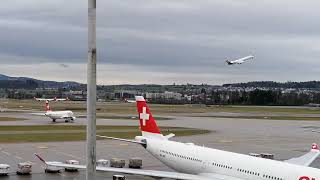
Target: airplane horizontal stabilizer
<point x="119" y="139"/>
<point x="306" y="159"/>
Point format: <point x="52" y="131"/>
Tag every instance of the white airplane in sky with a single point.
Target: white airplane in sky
<point x="239" y="61"/>
<point x="54" y="115"/>
<point x="201" y="163"/>
<point x="52" y="99"/>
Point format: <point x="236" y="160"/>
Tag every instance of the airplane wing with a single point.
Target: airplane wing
<point x="38" y="114"/>
<point x="42" y="99"/>
<point x="68" y="117"/>
<point x="143" y="172"/>
<point x="306" y="159"/>
<point x="152" y="173"/>
<point x="61" y="99"/>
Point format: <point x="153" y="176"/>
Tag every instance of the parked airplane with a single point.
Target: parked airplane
<point x="239" y="61"/>
<point x="54" y="115"/>
<point x="52" y="99"/>
<point x="129" y="101"/>
<point x="202" y="163"/>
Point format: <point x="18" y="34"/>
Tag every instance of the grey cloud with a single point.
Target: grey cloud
<point x="169" y="36"/>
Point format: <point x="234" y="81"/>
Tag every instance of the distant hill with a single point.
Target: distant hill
<point x="272" y="84"/>
<point x="31" y="83"/>
<point x="4" y="77"/>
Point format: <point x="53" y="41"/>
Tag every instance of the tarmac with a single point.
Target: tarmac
<point x="284" y="138"/>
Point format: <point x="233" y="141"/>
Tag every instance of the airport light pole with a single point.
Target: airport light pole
<point x="91" y="92"/>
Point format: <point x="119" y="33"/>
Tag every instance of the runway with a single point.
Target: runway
<point x="283" y="138"/>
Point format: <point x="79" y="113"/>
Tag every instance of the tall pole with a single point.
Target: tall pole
<point x="91" y="92"/>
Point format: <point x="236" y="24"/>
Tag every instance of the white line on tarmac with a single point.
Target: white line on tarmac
<point x="31" y="162"/>
<point x="5" y="152"/>
<point x="18" y="157"/>
<point x="70" y="155"/>
<point x="61" y="174"/>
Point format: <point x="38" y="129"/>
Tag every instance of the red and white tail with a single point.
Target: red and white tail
<point x="148" y="125"/>
<point x="315" y="148"/>
<point x="47" y="108"/>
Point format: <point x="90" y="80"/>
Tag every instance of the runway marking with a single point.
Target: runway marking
<point x="5" y="152"/>
<point x="43" y="147"/>
<point x="18" y="157"/>
<point x="33" y="163"/>
<point x="61" y="174"/>
<point x="70" y="155"/>
<point x="123" y="144"/>
<point x="225" y="141"/>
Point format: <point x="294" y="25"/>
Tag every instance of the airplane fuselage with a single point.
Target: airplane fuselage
<point x="60" y="115"/>
<point x="193" y="159"/>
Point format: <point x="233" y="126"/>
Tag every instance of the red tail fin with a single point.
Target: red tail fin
<point x="147" y="122"/>
<point x="314" y="147"/>
<point x="47" y="106"/>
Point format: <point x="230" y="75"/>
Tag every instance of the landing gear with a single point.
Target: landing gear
<point x="53" y="120"/>
<point x="69" y="120"/>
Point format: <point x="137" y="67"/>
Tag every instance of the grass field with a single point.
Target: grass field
<point x="18" y="134"/>
<point x="11" y="119"/>
<point x="268" y="117"/>
<point x="130" y="108"/>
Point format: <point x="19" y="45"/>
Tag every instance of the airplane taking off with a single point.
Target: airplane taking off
<point x="201" y="163"/>
<point x="239" y="61"/>
<point x="54" y="115"/>
<point x="54" y="99"/>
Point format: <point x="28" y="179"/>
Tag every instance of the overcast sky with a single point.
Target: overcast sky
<point x="162" y="41"/>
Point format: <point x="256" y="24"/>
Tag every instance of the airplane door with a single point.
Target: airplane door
<point x="205" y="165"/>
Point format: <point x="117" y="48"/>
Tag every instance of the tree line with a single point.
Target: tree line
<point x="258" y="97"/>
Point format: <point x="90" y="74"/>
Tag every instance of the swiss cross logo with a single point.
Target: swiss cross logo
<point x="315" y="146"/>
<point x="144" y="116"/>
<point x="306" y="178"/>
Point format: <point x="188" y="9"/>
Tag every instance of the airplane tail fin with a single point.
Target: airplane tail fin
<point x="148" y="125"/>
<point x="315" y="148"/>
<point x="47" y="108"/>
